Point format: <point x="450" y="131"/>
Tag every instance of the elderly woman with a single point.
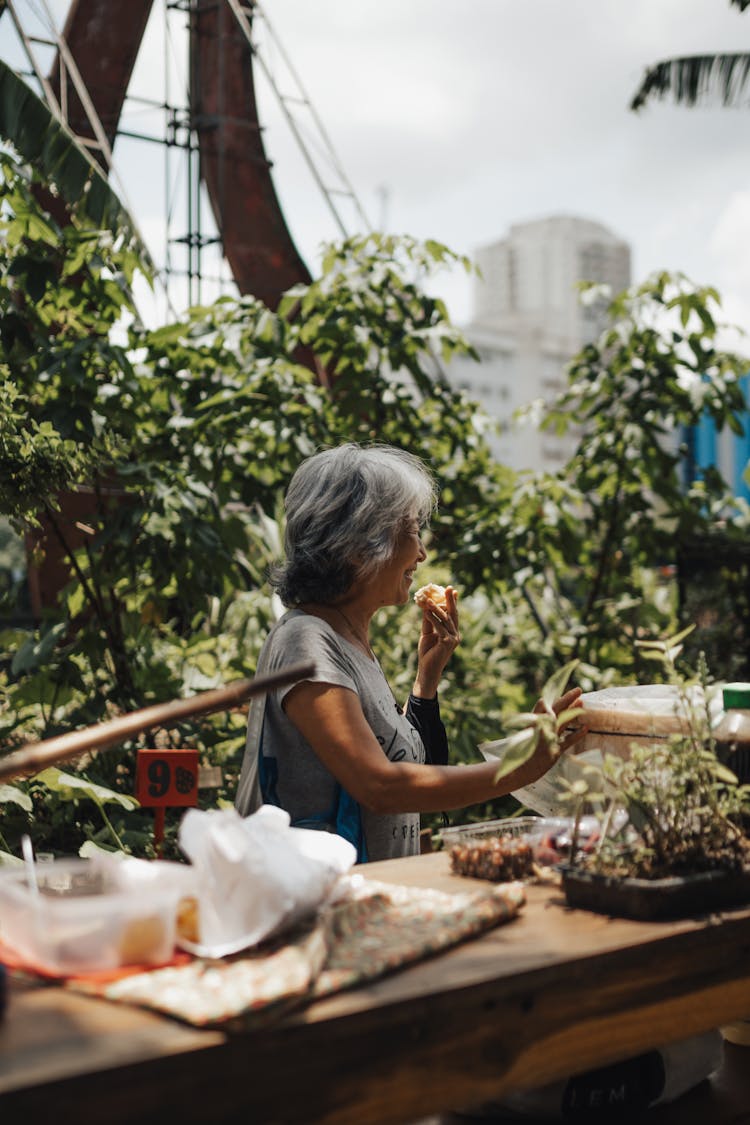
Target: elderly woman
<point x="336" y="750"/>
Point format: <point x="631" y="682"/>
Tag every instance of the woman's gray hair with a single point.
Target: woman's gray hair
<point x="345" y="509"/>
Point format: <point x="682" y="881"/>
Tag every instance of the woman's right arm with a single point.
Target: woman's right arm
<point x="331" y="719"/>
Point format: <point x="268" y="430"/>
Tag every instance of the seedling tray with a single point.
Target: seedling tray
<point x="655" y="899"/>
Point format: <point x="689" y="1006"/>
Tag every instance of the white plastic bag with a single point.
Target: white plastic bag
<point x="546" y="795"/>
<point x="257" y="875"/>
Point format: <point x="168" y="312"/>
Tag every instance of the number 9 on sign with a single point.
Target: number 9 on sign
<point x="167" y="777"/>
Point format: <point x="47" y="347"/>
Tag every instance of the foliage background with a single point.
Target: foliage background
<point x="179" y="443"/>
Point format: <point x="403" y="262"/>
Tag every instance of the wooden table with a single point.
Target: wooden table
<point x="553" y="993"/>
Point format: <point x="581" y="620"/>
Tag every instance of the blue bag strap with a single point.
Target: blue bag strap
<point x="344" y="818"/>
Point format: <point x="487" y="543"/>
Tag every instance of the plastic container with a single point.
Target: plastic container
<point x="527" y="826"/>
<point x="732" y="735"/>
<point x="732" y="732"/>
<point x="505" y="849"/>
<point x="533" y="828"/>
<point x="89" y="916"/>
<point x="617" y="717"/>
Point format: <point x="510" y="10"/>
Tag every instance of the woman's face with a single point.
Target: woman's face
<point x="395" y="577"/>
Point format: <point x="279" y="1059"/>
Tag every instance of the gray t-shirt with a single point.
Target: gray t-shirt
<point x="292" y="775"/>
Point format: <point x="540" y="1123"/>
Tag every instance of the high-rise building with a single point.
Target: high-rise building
<point x="528" y="322"/>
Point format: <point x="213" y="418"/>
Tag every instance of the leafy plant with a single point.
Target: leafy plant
<point x="74" y="787"/>
<point x="178" y="443"/>
<point x="698" y="79"/>
<point x="37" y="135"/>
<point x="587" y="543"/>
<point x="674" y="807"/>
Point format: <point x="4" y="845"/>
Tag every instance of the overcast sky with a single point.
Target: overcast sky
<point x="454" y="119"/>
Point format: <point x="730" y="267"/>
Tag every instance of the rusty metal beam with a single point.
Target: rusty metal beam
<point x="234" y="166"/>
<point x="104" y="39"/>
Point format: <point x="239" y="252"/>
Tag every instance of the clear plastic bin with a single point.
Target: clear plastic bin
<point x="529" y="826"/>
<point x="89" y="916"/>
<point x="548" y="837"/>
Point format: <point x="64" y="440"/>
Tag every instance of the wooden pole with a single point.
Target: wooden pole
<point x="36" y="756"/>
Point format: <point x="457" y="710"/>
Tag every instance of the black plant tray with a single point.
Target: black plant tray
<point x="655" y="899"/>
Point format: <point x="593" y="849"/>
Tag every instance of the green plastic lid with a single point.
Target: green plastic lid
<point x="736" y="695"/>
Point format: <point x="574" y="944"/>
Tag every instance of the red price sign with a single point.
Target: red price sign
<point x="167" y="778"/>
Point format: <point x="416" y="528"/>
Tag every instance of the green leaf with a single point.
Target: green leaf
<point x="556" y="684"/>
<point x="570" y="715"/>
<point x="579" y="788"/>
<point x="524" y="720"/>
<point x="679" y="637"/>
<point x="70" y="784"/>
<point x="90" y="850"/>
<point x="205" y="662"/>
<point x="37" y="650"/>
<point x="518" y="748"/>
<point x="42" y="141"/>
<point x="723" y="773"/>
<point x="10" y="794"/>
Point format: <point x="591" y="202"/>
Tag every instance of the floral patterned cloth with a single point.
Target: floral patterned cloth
<point x="381" y="928"/>
<point x="372" y="929"/>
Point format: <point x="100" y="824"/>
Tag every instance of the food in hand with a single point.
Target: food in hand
<point x="431" y="596"/>
<point x="500" y="859"/>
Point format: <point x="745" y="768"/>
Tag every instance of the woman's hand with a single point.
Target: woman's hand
<point x="571" y="701"/>
<point x="547" y="753"/>
<point x="438" y="640"/>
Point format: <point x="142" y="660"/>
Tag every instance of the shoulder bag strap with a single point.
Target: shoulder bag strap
<point x="249" y="797"/>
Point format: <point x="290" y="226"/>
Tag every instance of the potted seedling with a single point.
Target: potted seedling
<point x="673" y="838"/>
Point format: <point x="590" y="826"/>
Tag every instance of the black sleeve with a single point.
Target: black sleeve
<point x="424" y="714"/>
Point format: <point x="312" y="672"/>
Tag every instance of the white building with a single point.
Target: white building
<point x="528" y="323"/>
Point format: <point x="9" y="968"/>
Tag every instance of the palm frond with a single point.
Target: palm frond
<point x="28" y="124"/>
<point x="694" y="79"/>
<point x="741" y="4"/>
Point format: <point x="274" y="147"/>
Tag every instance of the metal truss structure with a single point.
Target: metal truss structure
<point x="214" y="125"/>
